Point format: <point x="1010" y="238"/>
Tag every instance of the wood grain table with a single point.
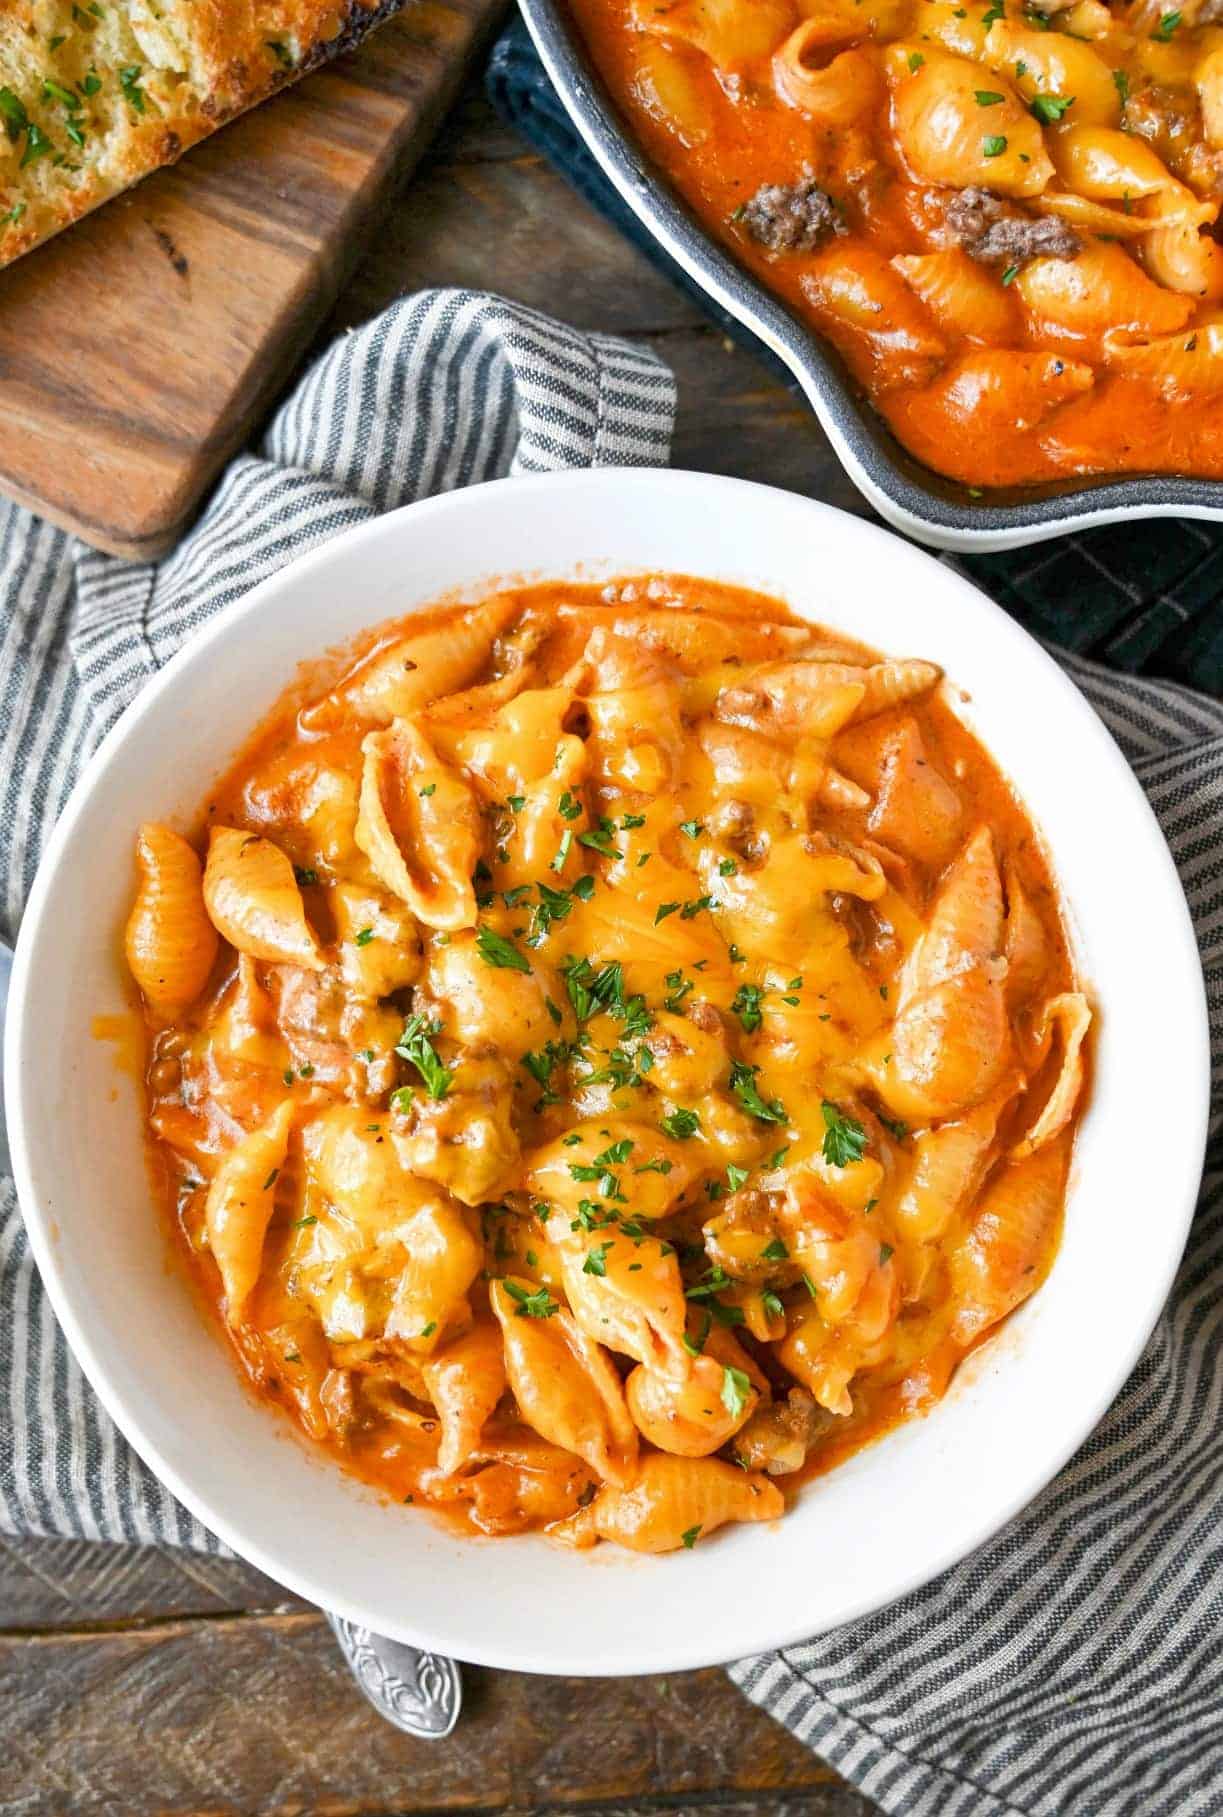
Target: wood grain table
<point x="138" y="1682"/>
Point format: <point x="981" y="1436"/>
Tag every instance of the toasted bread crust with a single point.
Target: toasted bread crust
<point x="94" y="97"/>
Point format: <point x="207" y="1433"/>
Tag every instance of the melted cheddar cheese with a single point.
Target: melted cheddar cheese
<point x="612" y="1051"/>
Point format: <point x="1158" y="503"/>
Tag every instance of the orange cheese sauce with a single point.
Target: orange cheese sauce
<point x="1000" y="372"/>
<point x="611" y="1052"/>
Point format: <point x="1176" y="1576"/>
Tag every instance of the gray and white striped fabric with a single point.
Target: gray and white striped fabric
<point x="1070" y="1666"/>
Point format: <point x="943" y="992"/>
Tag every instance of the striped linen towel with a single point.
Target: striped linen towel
<point x="1072" y="1664"/>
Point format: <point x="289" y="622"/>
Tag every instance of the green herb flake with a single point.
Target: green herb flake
<point x="994" y="145"/>
<point x="989" y="97"/>
<point x="680" y="1125"/>
<point x="663" y="910"/>
<point x="736" y="1176"/>
<point x="743" y="1084"/>
<point x="364" y="937"/>
<point x="418" y="1050"/>
<point x="537" y="1305"/>
<point x="689" y="1539"/>
<point x="736" y="1390"/>
<point x="844" y="1137"/>
<point x="497" y="951"/>
<point x="1049" y="109"/>
<point x="596" y="1260"/>
<point x="1167" y="25"/>
<point x="129" y="84"/>
<point x="775" y="1251"/>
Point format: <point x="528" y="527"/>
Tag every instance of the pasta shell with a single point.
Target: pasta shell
<point x="938" y="124"/>
<point x="1103" y="288"/>
<point x="636" y="1306"/>
<point x="444" y="1255"/>
<point x="1007" y="1253"/>
<point x="465" y="1380"/>
<point x="700" y="640"/>
<point x="1072" y="1014"/>
<point x="695" y="1414"/>
<point x="835" y="90"/>
<point x="916" y="810"/>
<point x="479" y="1004"/>
<point x="792" y="699"/>
<point x="254" y="902"/>
<point x="946" y="1165"/>
<point x="672" y="1502"/>
<point x="239" y="1207"/>
<point x="401" y="677"/>
<point x="1026" y="946"/>
<point x="419" y="827"/>
<point x="1180" y="366"/>
<point x="170" y="942"/>
<point x="727" y="34"/>
<point x="566" y="1387"/>
<point x="965" y="926"/>
<point x="866" y="307"/>
<point x="961" y="295"/>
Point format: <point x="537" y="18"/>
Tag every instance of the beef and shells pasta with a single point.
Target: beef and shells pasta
<point x="611" y="1053"/>
<point x="1005" y="217"/>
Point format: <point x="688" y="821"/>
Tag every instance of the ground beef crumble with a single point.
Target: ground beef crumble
<point x="792" y="217"/>
<point x="989" y="230"/>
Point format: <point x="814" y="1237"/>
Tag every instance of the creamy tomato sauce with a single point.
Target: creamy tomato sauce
<point x="612" y="1051"/>
<point x="1004" y="219"/>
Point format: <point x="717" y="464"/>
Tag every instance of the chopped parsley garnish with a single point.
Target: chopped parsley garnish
<point x="129" y="83"/>
<point x="402" y="1100"/>
<point x="271" y="1179"/>
<point x="37" y="145"/>
<point x="689" y="1539"/>
<point x="677" y="988"/>
<point x="364" y="937"/>
<point x="629" y="821"/>
<point x="1121" y="83"/>
<point x="616" y="1154"/>
<point x="415" y="1046"/>
<point x="1050" y="108"/>
<point x="496" y="950"/>
<point x="13" y="114"/>
<point x="599" y="839"/>
<point x="562" y="851"/>
<point x="568" y="808"/>
<point x="736" y="1176"/>
<point x="693" y="828"/>
<point x="695" y="906"/>
<point x="775" y="1251"/>
<point x="773" y="1307"/>
<point x="590" y="990"/>
<point x="727" y="867"/>
<point x="660" y="1164"/>
<point x="777" y="1158"/>
<point x="596" y="1260"/>
<point x="695" y="1346"/>
<point x="844" y="1137"/>
<point x="994" y="145"/>
<point x="736" y="1389"/>
<point x="1168" y="23"/>
<point x="746" y="1006"/>
<point x="915" y="61"/>
<point x="989" y="97"/>
<point x="996" y="11"/>
<point x="886" y="1252"/>
<point x="894" y="1127"/>
<point x="304" y="875"/>
<point x="1008" y="277"/>
<point x="303" y="1223"/>
<point x="663" y="910"/>
<point x="537" y="1305"/>
<point x="680" y="1124"/>
<point x="743" y="1084"/>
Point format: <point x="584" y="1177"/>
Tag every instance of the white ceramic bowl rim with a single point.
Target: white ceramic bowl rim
<point x="860" y="1551"/>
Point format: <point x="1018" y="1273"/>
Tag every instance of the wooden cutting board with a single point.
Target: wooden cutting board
<point x="138" y="350"/>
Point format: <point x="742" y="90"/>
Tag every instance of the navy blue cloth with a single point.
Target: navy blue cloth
<point x="1145" y="597"/>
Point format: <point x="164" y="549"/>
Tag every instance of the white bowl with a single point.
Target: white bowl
<point x="888" y="1520"/>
